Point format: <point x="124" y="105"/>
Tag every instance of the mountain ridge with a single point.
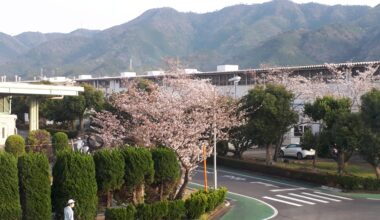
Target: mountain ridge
<point x="279" y="33"/>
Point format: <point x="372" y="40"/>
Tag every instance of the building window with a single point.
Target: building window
<point x="3" y="133"/>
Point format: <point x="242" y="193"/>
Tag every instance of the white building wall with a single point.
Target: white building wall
<point x="7" y="127"/>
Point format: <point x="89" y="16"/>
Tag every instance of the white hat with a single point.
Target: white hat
<point x="70" y="201"/>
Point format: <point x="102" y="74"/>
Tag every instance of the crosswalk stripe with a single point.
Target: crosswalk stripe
<point x="282" y="201"/>
<point x="297" y="200"/>
<point x="291" y="189"/>
<point x="313" y="199"/>
<point x="335" y="196"/>
<point x="321" y="197"/>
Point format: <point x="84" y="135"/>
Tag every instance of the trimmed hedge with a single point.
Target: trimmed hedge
<point x="122" y="213"/>
<point x="176" y="210"/>
<point x="34" y="180"/>
<point x="38" y="141"/>
<point x="196" y="205"/>
<point x="166" y="170"/>
<point x="15" y="144"/>
<point x="70" y="133"/>
<point x="139" y="168"/>
<point x="10" y="207"/>
<point x="109" y="166"/>
<point x="60" y="142"/>
<point x="344" y="182"/>
<point x="74" y="178"/>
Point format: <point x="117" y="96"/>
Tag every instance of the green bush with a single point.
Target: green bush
<point x="196" y="205"/>
<point x="60" y="142"/>
<point x="349" y="182"/>
<point x="139" y="170"/>
<point x="222" y="193"/>
<point x="74" y="178"/>
<point x="34" y="180"/>
<point x="159" y="210"/>
<point x="144" y="212"/>
<point x="166" y="170"/>
<point x="176" y="210"/>
<point x="15" y="144"/>
<point x="109" y="166"/>
<point x="38" y="141"/>
<point x="121" y="213"/>
<point x="70" y="133"/>
<point x="212" y="200"/>
<point x="10" y="207"/>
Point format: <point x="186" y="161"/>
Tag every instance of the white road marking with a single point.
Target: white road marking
<point x="266" y="184"/>
<point x="305" y="197"/>
<point x="235" y="177"/>
<point x="321" y="197"/>
<point x="282" y="201"/>
<point x="373" y="199"/>
<point x="294" y="199"/>
<point x="258" y="178"/>
<point x="335" y="196"/>
<point x="292" y="189"/>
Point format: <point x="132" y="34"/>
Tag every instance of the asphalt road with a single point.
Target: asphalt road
<point x="293" y="199"/>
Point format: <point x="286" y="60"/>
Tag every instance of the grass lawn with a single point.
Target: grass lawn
<point x="357" y="169"/>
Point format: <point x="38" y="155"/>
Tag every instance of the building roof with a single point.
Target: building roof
<point x="16" y="88"/>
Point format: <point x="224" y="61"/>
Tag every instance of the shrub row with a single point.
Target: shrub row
<point x="37" y="141"/>
<point x="344" y="182"/>
<point x="202" y="202"/>
<point x="198" y="204"/>
<point x="170" y="210"/>
<point x="24" y="185"/>
<point x="70" y="133"/>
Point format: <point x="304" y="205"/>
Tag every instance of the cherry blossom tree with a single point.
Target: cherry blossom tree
<point x="181" y="114"/>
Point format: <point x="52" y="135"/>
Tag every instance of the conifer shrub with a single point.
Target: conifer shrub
<point x="60" y="142"/>
<point x="39" y="141"/>
<point x="34" y="181"/>
<point x="109" y="166"/>
<point x="166" y="171"/>
<point x="139" y="170"/>
<point x="176" y="210"/>
<point x="10" y="207"/>
<point x="15" y="144"/>
<point x="74" y="178"/>
<point x="196" y="205"/>
<point x="121" y="213"/>
<point x="144" y="212"/>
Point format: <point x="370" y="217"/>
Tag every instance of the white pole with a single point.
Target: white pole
<point x="215" y="171"/>
<point x="215" y="174"/>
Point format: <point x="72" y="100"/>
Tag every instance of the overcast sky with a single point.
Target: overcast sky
<point x="18" y="16"/>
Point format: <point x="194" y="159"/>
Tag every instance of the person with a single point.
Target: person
<point x="68" y="211"/>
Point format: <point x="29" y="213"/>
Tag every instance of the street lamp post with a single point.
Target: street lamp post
<point x="236" y="80"/>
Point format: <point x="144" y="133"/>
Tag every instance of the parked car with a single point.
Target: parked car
<point x="295" y="150"/>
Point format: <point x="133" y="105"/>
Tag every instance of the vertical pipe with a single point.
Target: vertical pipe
<point x="205" y="166"/>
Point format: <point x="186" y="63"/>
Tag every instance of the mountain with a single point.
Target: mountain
<point x="279" y="32"/>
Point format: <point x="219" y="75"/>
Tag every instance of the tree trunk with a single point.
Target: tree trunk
<point x="181" y="191"/>
<point x="377" y="169"/>
<point x="341" y="163"/>
<point x="268" y="160"/>
<point x="81" y="126"/>
<point x="161" y="190"/>
<point x="315" y="160"/>
<point x="109" y="199"/>
<point x="276" y="150"/>
<point x="138" y="195"/>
